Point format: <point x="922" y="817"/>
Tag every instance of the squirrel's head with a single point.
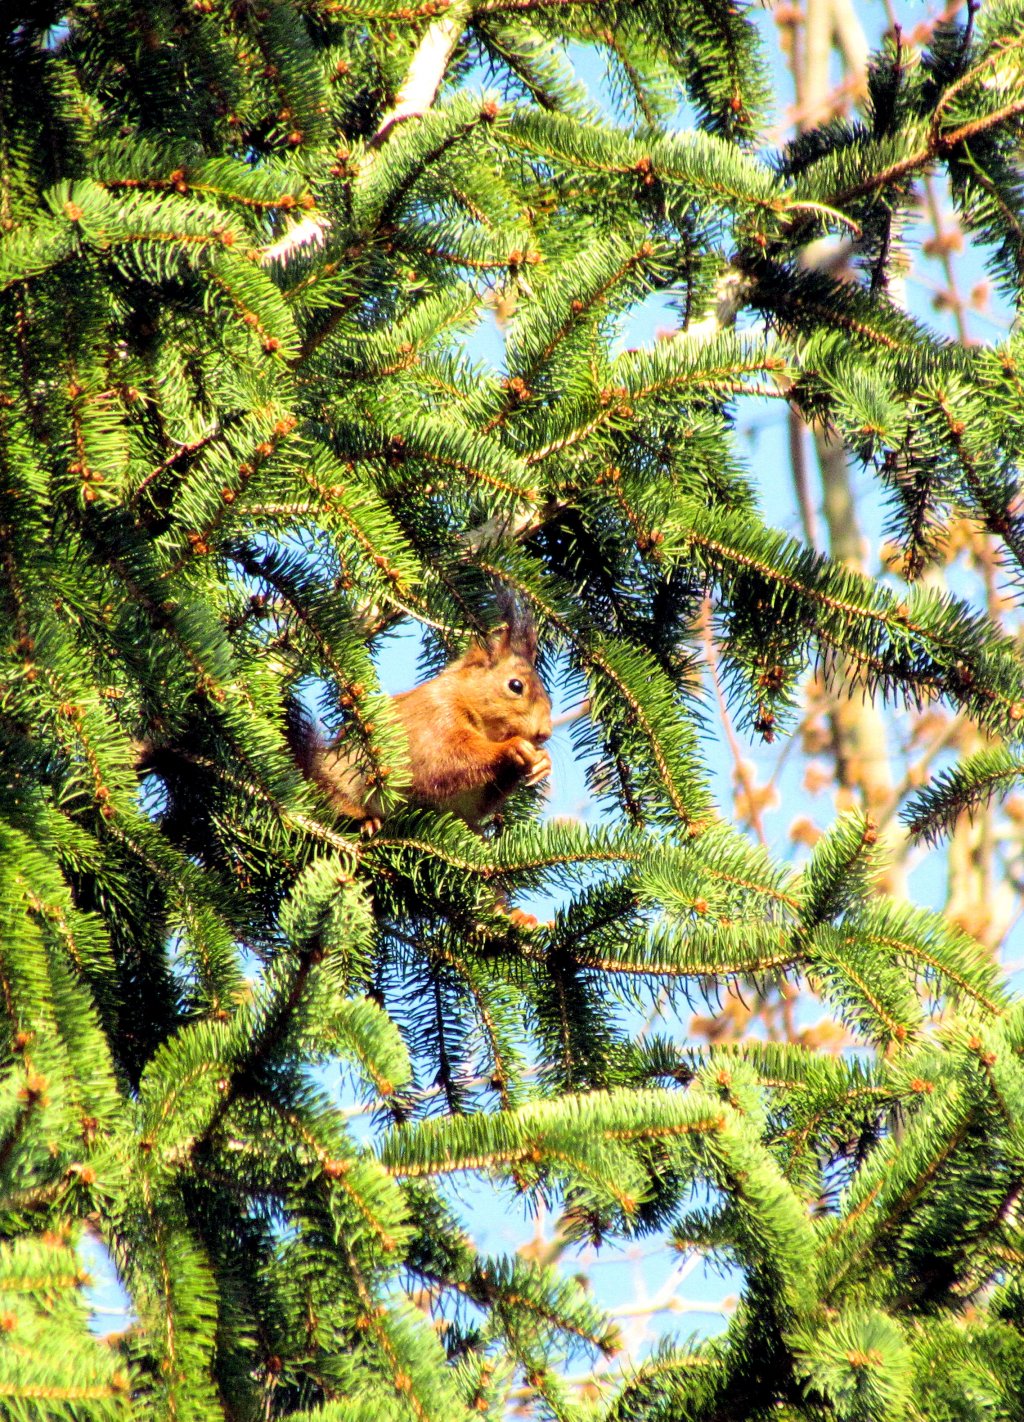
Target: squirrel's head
<point x="504" y="687"/>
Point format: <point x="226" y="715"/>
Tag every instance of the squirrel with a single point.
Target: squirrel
<point x="475" y="732"/>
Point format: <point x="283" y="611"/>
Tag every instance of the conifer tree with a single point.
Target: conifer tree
<point x="242" y="439"/>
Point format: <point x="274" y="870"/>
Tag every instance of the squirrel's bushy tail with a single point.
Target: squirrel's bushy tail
<point x="301" y="735"/>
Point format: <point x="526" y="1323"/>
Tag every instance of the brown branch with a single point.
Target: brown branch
<point x="938" y="146"/>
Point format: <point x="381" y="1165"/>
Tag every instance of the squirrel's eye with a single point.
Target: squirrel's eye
<point x="516" y="685"/>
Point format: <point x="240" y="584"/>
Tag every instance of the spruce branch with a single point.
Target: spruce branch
<point x="968" y="786"/>
<point x="939" y="144"/>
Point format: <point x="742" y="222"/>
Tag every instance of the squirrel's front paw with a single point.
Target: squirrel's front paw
<point x="532" y="763"/>
<point x="523" y="763"/>
<point x="521" y="752"/>
<point x="540" y="769"/>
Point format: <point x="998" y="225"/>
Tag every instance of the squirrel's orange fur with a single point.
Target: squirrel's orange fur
<point x="473" y="736"/>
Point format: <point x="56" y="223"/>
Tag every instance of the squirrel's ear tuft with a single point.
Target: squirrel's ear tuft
<point x="519" y="634"/>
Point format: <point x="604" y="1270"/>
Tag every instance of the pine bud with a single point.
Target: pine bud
<point x="33" y="1091"/>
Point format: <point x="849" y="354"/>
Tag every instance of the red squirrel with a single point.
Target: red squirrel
<point x="475" y="732"/>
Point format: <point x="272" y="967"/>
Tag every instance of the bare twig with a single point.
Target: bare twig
<point x="952" y="293"/>
<point x="741" y="774"/>
<point x="426" y="71"/>
<point x="310" y="232"/>
<point x="798" y="462"/>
